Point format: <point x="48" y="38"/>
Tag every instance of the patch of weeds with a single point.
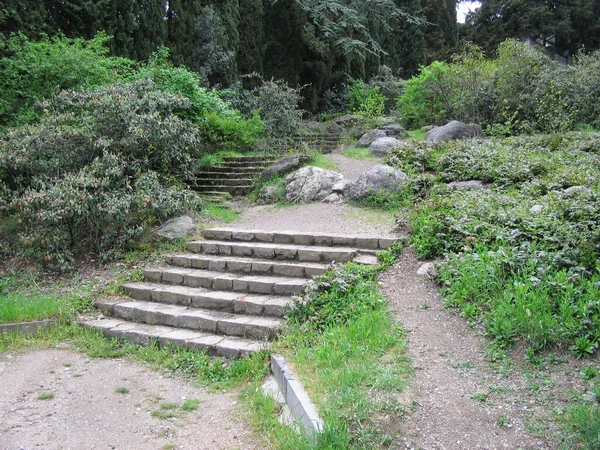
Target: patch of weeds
<point x="190" y="404"/>
<point x="168" y="446"/>
<point x="278" y="184"/>
<point x="388" y="200"/>
<point x="46" y="396"/>
<point x="589" y="373"/>
<point x="163" y="414"/>
<point x="417" y="135"/>
<point x="168" y="405"/>
<point x="215" y="212"/>
<point x="122" y="390"/>
<point x="479" y="396"/>
<point x="214" y="159"/>
<point x="503" y="421"/>
<point x="360" y="153"/>
<point x="323" y="161"/>
<point x="537" y="428"/>
<point x="465" y="365"/>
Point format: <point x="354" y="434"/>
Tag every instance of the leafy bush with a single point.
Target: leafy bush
<point x="426" y="97"/>
<point x="366" y="100"/>
<point x="389" y="85"/>
<point x="234" y="133"/>
<point x="95" y="172"/>
<point x="33" y="71"/>
<point x="277" y="104"/>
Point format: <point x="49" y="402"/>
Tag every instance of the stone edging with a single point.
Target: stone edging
<point x="297" y="399"/>
<point x="28" y="328"/>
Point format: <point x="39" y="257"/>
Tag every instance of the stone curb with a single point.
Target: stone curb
<point x="297" y="399"/>
<point x="27" y="328"/>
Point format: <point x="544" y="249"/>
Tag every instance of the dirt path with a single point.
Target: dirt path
<point x="86" y="412"/>
<point x="460" y="400"/>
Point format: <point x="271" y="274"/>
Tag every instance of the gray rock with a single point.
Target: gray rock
<point x="377" y="178"/>
<point x="335" y="128"/>
<point x="349" y="120"/>
<point x="284" y="165"/>
<point x="470" y="184"/>
<point x="177" y="228"/>
<point x="310" y="183"/>
<point x="394" y="130"/>
<point x="334" y="198"/>
<point x="536" y="209"/>
<point x="453" y="131"/>
<point x="315" y="126"/>
<point x="428" y="127"/>
<point x="368" y="138"/>
<point x="384" y="145"/>
<point x="342" y="186"/>
<point x="268" y="194"/>
<point x="577" y="190"/>
<point x="427" y="270"/>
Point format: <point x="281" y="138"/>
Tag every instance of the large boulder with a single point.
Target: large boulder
<point x="394" y="130"/>
<point x="377" y="178"/>
<point x="177" y="228"/>
<point x="384" y="145"/>
<point x="268" y="194"/>
<point x="310" y="183"/>
<point x="284" y="165"/>
<point x="453" y="131"/>
<point x="368" y="138"/>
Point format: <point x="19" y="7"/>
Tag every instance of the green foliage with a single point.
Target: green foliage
<point x="584" y="422"/>
<point x="96" y="173"/>
<point x="33" y="71"/>
<point x="523" y="255"/>
<point x="426" y="97"/>
<point x="234" y="133"/>
<point x="277" y="104"/>
<point x="365" y="100"/>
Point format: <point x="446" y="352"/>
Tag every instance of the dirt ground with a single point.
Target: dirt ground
<point x="461" y="401"/>
<point x="86" y="411"/>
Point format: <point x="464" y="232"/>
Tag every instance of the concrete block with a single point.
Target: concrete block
<point x="286" y="253"/>
<point x="243" y="236"/>
<point x="311" y="255"/>
<point x="367" y="242"/>
<point x="218" y="234"/>
<point x="154" y="275"/>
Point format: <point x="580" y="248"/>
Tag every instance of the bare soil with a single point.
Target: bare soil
<point x="86" y="412"/>
<point x="459" y="400"/>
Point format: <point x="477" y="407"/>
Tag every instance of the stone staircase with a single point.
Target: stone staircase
<point x="233" y="177"/>
<point x="228" y="293"/>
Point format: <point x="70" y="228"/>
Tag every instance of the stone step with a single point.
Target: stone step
<point x="232" y="190"/>
<point x="196" y="319"/>
<point x="237" y="170"/>
<point x="232" y="302"/>
<point x="142" y="334"/>
<point x="243" y="165"/>
<point x="225" y="175"/>
<point x="234" y="181"/>
<point x="298" y="238"/>
<point x="257" y="159"/>
<point x="220" y="281"/>
<point x="237" y="264"/>
<point x="262" y="250"/>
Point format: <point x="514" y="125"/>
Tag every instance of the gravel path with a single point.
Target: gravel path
<point x="87" y="413"/>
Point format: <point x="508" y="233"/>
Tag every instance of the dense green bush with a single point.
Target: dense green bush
<point x="277" y="104"/>
<point x="364" y="99"/>
<point x="523" y="255"/>
<point x="520" y="91"/>
<point x="95" y="172"/>
<point x="33" y="71"/>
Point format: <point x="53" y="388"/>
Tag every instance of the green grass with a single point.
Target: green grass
<point x="46" y="396"/>
<point x="214" y="159"/>
<point x="22" y="307"/>
<point x="211" y="212"/>
<point x="122" y="390"/>
<point x="350" y="356"/>
<point x="323" y="161"/>
<point x="417" y="135"/>
<point x="190" y="404"/>
<point x="216" y="373"/>
<point x="358" y="153"/>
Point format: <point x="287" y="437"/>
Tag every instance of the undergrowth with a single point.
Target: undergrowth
<point x="522" y="256"/>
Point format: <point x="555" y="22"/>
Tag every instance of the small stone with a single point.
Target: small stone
<point x="536" y="209"/>
<point x="427" y="270"/>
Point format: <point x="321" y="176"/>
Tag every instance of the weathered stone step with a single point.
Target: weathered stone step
<point x="220" y="281"/>
<point x="142" y="334"/>
<point x="298" y="238"/>
<point x="233" y="302"/>
<point x="243" y="164"/>
<point x="257" y="159"/>
<point x="261" y="250"/>
<point x="237" y="264"/>
<point x="225" y="175"/>
<point x="237" y="170"/>
<point x="197" y="319"/>
<point x="234" y="181"/>
<point x="232" y="190"/>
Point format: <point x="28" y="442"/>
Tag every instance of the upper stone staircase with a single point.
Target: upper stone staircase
<point x="227" y="294"/>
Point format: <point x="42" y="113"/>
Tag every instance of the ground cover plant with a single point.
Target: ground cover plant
<point x="350" y="355"/>
<point x="522" y="255"/>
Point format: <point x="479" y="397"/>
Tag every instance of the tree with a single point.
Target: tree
<point x="563" y="25"/>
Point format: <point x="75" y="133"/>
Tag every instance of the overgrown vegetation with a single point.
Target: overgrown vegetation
<point x="520" y="91"/>
<point x="521" y="256"/>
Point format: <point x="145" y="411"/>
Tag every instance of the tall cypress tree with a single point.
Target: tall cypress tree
<point x="151" y="30"/>
<point x="28" y="17"/>
<point x="441" y="35"/>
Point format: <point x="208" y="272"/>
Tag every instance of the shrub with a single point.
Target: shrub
<point x="102" y="208"/>
<point x="277" y="104"/>
<point x="426" y="98"/>
<point x="33" y="71"/>
<point x="366" y="100"/>
<point x="390" y="86"/>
